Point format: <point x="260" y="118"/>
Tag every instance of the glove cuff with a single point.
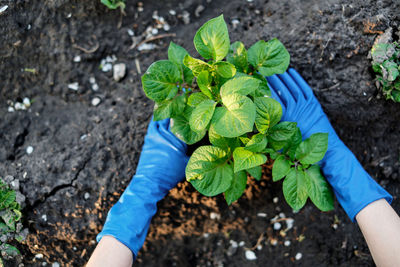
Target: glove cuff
<point x="129" y="219"/>
<point x="353" y="186"/>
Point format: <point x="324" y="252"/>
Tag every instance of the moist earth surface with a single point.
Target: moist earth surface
<point x="85" y="130"/>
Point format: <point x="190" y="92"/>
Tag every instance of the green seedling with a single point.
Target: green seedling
<point x="386" y="65"/>
<point x="114" y="4"/>
<point x="10" y="214"/>
<point x="228" y="104"/>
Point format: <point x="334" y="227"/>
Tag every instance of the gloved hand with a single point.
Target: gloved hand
<point x="161" y="166"/>
<point x="353" y="186"/>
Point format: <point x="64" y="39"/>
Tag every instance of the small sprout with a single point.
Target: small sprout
<point x="114" y="4"/>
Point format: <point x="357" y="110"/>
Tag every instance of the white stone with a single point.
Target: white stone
<point x="241" y="243"/>
<point x="55" y="264"/>
<point x="44" y="217"/>
<point x="274" y="242"/>
<point x="172" y="12"/>
<point x="166" y="27"/>
<point x="92" y="80"/>
<point x="19" y="106"/>
<point x="235" y="22"/>
<point x="73" y="86"/>
<point x="205" y="235"/>
<point x="11" y="109"/>
<point x="96" y="101"/>
<point x="95" y="87"/>
<point x="282" y="215"/>
<point x="146" y="46"/>
<point x="275" y="200"/>
<point x="39" y="256"/>
<point x="154" y="31"/>
<point x="298" y="256"/>
<point x="77" y="59"/>
<point x="259" y="247"/>
<point x="262" y="214"/>
<point x="131" y="32"/>
<point x="29" y="150"/>
<point x="287" y="243"/>
<point x="335" y="226"/>
<point x="250" y="255"/>
<point x="86" y="195"/>
<point x="83" y="137"/>
<point x="289" y="223"/>
<point x="277" y="226"/>
<point x="26" y="102"/>
<point x="234" y="244"/>
<point x="215" y="216"/>
<point x="119" y="71"/>
<point x="106" y="67"/>
<point x="3" y="8"/>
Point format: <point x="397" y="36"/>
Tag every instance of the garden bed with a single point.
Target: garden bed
<point x="83" y="153"/>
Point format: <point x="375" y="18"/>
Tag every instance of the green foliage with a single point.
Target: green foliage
<point x="10" y="214"/>
<point x="114" y="4"/>
<point x="386" y="65"/>
<point x="230" y="101"/>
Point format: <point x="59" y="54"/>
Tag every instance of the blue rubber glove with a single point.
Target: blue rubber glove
<point x="161" y="167"/>
<point x="353" y="186"/>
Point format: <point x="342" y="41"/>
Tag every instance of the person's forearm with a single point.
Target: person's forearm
<point x="380" y="226"/>
<point x="111" y="252"/>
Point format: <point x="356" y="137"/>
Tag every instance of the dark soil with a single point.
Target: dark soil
<point x="84" y="156"/>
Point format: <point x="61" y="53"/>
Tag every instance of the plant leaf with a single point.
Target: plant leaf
<point x="176" y="54"/>
<point x="263" y="89"/>
<point x="245" y="159"/>
<point x="196" y="65"/>
<point x="222" y="142"/>
<point x="204" y="81"/>
<point x="318" y="189"/>
<point x="225" y="69"/>
<point x="169" y="108"/>
<point x="257" y="143"/>
<point x="243" y="85"/>
<point x="236" y="117"/>
<point x="160" y="80"/>
<point x="281" y="133"/>
<point x="269" y="57"/>
<point x="295" y="189"/>
<point x="280" y="168"/>
<point x="212" y="39"/>
<point x="208" y="170"/>
<point x="255" y="172"/>
<point x="180" y="128"/>
<point x="312" y="149"/>
<point x="235" y="191"/>
<point x="202" y="115"/>
<point x="237" y="55"/>
<point x="268" y="113"/>
<point x="196" y="98"/>
<point x="7" y="198"/>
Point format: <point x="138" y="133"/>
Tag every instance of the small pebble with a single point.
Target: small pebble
<point x="92" y="80"/>
<point x="172" y="12"/>
<point x="205" y="235"/>
<point x="3" y="8"/>
<point x="86" y="195"/>
<point x="282" y="215"/>
<point x="131" y="32"/>
<point x="198" y="10"/>
<point x="77" y="59"/>
<point x="29" y="150"/>
<point x="26" y="102"/>
<point x="259" y="247"/>
<point x="119" y="71"/>
<point x="298" y="256"/>
<point x="250" y="255"/>
<point x="277" y="226"/>
<point x="186" y="17"/>
<point x="274" y="242"/>
<point x="55" y="264"/>
<point x="39" y="256"/>
<point x="44" y="263"/>
<point x="11" y="109"/>
<point x="275" y="200"/>
<point x="74" y="248"/>
<point x="44" y="217"/>
<point x="83" y="137"/>
<point x="15" y="185"/>
<point x="73" y="86"/>
<point x="215" y="216"/>
<point x="146" y="46"/>
<point x="287" y="243"/>
<point x="241" y="243"/>
<point x="96" y="101"/>
<point x="334" y="226"/>
<point x="106" y="67"/>
<point x="233" y="243"/>
<point x="69" y="15"/>
<point x="235" y="22"/>
<point x="289" y="223"/>
<point x="262" y="214"/>
<point x="95" y="87"/>
<point x="19" y="106"/>
<point x="166" y="27"/>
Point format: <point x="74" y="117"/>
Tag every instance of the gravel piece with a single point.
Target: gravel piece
<point x="277" y="226"/>
<point x="73" y="86"/>
<point x="186" y="17"/>
<point x="86" y="195"/>
<point x="119" y="71"/>
<point x="3" y="8"/>
<point x="262" y="214"/>
<point x="275" y="200"/>
<point x="287" y="243"/>
<point x="29" y="150"/>
<point x="198" y="10"/>
<point x="250" y="255"/>
<point x="215" y="216"/>
<point x="11" y="109"/>
<point x="96" y="101"/>
<point x="77" y="59"/>
<point x="298" y="256"/>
